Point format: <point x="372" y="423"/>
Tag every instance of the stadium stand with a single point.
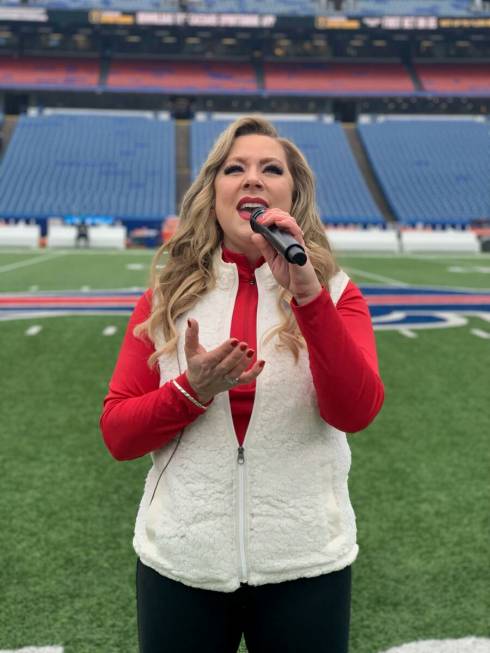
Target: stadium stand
<point x="414" y="7"/>
<point x="431" y="171"/>
<point x="337" y="78"/>
<point x="184" y="77"/>
<point x="455" y="78"/>
<point x="289" y="7"/>
<point x="33" y="72"/>
<point x="342" y="194"/>
<point x="89" y="165"/>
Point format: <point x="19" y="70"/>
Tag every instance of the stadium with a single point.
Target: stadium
<point x="107" y="111"/>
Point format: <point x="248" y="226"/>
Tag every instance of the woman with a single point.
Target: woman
<point x="257" y="369"/>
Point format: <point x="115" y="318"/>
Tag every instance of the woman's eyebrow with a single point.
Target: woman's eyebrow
<point x="267" y="159"/>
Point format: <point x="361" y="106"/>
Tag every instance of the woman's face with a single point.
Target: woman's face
<point x="255" y="173"/>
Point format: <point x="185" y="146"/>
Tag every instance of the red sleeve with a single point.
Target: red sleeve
<point x="343" y="360"/>
<point x="138" y="415"/>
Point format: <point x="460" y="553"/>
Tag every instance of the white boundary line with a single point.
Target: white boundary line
<point x="68" y="291"/>
<point x="450" y="256"/>
<point x="377" y="277"/>
<point x="11" y="317"/>
<point x="31" y="261"/>
<point x="423" y="286"/>
<point x="90" y="252"/>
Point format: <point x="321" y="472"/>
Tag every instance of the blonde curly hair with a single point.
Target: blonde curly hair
<point x="188" y="272"/>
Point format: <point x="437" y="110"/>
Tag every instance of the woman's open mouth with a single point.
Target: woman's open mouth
<point x="247" y="205"/>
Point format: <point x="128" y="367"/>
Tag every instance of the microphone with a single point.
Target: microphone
<point x="280" y="240"/>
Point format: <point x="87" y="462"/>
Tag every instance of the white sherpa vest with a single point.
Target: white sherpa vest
<point x="276" y="510"/>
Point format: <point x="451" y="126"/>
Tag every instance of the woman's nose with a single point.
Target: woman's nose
<point x="252" y="180"/>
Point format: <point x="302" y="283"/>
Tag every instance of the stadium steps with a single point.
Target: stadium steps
<point x="367" y="172"/>
<point x="8" y="128"/>
<point x="260" y="75"/>
<point x="183" y="177"/>
<point x="414" y="77"/>
<point x="104" y="72"/>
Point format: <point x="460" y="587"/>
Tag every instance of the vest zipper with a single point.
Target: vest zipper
<point x="241" y="513"/>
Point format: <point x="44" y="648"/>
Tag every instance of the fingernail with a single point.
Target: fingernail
<point x="261" y="363"/>
<point x="250" y="353"/>
<point x="189" y="323"/>
<point x="234" y="343"/>
<point x="243" y="347"/>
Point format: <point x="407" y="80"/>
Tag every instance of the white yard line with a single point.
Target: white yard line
<point x="35" y="649"/>
<point x="407" y="333"/>
<point x="33" y="330"/>
<point x="31" y="261"/>
<point x="377" y="277"/>
<point x="480" y="333"/>
<point x="448" y="258"/>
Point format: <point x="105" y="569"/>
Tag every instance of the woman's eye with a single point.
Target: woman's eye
<point x="275" y="169"/>
<point x="233" y="168"/>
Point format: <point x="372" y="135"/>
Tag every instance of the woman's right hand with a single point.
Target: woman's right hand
<point x="218" y="370"/>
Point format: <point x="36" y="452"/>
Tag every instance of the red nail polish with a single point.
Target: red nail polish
<point x="189" y="323"/>
<point x="250" y="353"/>
<point x="243" y="347"/>
<point x="234" y="343"/>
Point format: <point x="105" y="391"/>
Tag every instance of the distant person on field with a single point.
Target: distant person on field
<point x="82" y="234"/>
<point x="241" y="374"/>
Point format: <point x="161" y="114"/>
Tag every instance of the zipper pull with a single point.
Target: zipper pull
<point x="241" y="455"/>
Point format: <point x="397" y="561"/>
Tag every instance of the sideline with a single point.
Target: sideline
<point x="31" y="261"/>
<point x="378" y="277"/>
<point x="90" y="252"/>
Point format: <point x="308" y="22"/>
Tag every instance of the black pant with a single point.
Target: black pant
<point x="308" y="615"/>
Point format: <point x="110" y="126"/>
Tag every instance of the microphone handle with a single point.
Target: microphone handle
<point x="281" y="241"/>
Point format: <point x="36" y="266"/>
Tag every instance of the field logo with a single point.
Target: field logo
<point x="392" y="308"/>
<point x="399" y="308"/>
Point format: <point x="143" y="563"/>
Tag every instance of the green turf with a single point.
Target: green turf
<point x="419" y="485"/>
<point x="73" y="270"/>
<point x="473" y="272"/>
<point x="67" y="564"/>
<point x="419" y="481"/>
<point x="63" y="271"/>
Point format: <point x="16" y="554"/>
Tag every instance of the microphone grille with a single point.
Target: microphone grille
<point x="256" y="213"/>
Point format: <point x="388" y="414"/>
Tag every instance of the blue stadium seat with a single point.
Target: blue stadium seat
<point x="89" y="165"/>
<point x="434" y="172"/>
<point x="342" y="194"/>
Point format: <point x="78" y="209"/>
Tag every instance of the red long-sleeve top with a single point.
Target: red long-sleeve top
<point x="140" y="417"/>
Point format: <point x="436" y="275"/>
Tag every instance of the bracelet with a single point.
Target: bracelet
<point x="189" y="397"/>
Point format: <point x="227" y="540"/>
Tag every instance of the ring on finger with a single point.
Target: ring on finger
<point x="231" y="381"/>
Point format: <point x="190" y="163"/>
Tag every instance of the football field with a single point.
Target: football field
<point x="419" y="480"/>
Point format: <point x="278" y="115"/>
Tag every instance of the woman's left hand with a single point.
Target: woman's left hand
<point x="301" y="281"/>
